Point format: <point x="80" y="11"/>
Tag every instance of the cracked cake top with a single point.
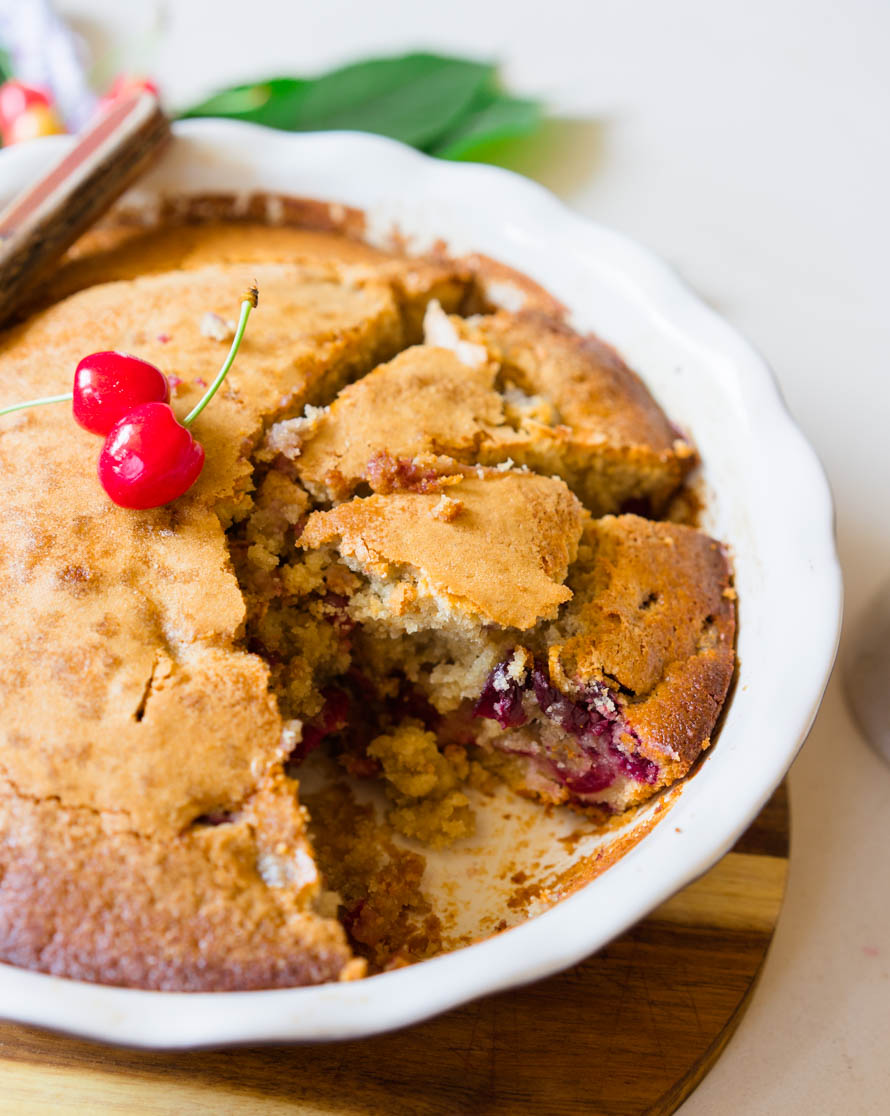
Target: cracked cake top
<point x="105" y="604"/>
<point x="504" y="388"/>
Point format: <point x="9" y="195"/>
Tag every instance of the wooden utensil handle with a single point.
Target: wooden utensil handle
<point x="45" y="220"/>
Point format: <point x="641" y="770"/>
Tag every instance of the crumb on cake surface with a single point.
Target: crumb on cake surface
<point x="386" y="559"/>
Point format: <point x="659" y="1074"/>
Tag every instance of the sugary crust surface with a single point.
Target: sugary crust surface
<point x="83" y="896"/>
<point x="148" y="834"/>
<point x="590" y="386"/>
<point x="610" y="441"/>
<point x="647" y="595"/>
<point x="605" y="434"/>
<point x="123" y="622"/>
<point x="127" y="252"/>
<point x="502" y="557"/>
<point x="506" y="388"/>
<point x="424" y="401"/>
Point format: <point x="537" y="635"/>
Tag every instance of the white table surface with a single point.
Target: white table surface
<point x="748" y="143"/>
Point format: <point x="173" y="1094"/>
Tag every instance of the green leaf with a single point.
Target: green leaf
<point x="273" y="103"/>
<point x="450" y="107"/>
<point x="415" y="98"/>
<point x="502" y="118"/>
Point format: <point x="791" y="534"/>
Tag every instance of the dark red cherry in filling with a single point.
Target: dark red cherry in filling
<point x="108" y="385"/>
<point x="501" y="699"/>
<point x="149" y="458"/>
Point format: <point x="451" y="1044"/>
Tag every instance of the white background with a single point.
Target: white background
<point x="748" y="142"/>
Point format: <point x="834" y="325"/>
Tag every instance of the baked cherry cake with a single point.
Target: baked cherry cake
<point x="433" y="541"/>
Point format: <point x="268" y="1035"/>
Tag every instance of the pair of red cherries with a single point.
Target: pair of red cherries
<point x="149" y="457"/>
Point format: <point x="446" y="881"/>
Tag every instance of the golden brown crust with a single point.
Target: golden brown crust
<point x="497" y="285"/>
<point x="605" y="434"/>
<point x="590" y="386"/>
<point x="517" y="388"/>
<point x="424" y="401"/>
<point x="157" y="606"/>
<point x="646" y="595"/>
<point x="84" y="897"/>
<point x="674" y="724"/>
<point x="206" y="236"/>
<point x="148" y="835"/>
<point x="503" y="558"/>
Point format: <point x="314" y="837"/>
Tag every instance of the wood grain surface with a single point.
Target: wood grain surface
<point x="39" y="225"/>
<point x="630" y="1031"/>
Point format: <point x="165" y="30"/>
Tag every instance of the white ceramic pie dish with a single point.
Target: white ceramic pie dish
<point x="767" y="496"/>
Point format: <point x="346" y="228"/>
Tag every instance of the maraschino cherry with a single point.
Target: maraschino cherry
<point x="149" y="457"/>
<point x="108" y="385"/>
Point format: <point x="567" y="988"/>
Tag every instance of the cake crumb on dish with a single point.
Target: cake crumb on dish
<point x="423" y="785"/>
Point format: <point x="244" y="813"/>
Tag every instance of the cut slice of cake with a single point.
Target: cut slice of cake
<point x="580" y="412"/>
<point x="620" y="695"/>
<point x="509" y="389"/>
<point x="596" y="654"/>
<point x="424" y="402"/>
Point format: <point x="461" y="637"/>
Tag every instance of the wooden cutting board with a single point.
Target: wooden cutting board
<point x="630" y="1031"/>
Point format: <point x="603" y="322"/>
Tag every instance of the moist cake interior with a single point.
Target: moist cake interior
<point x="457" y="564"/>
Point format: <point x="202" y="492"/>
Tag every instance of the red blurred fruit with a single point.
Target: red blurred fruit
<point x="34" y="124"/>
<point x="26" y="112"/>
<point x="16" y="97"/>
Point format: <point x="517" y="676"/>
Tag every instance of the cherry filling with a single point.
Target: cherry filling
<point x="354" y="712"/>
<point x="333" y="717"/>
<point x="580" y="742"/>
<point x="592" y="719"/>
<point x="501" y="699"/>
<point x="399" y="474"/>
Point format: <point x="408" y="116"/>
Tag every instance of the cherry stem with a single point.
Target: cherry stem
<point x="248" y="303"/>
<point x="66" y="398"/>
